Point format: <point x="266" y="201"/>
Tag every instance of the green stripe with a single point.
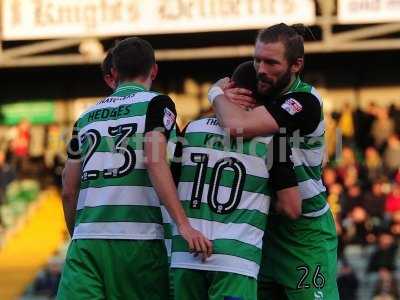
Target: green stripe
<point x="228" y="144"/>
<point x="238" y="216"/>
<point x="114" y="113"/>
<point x="135" y="178"/>
<point x="308" y="143"/>
<point x="119" y="213"/>
<point x="313" y="204"/>
<point x="223" y="246"/>
<point x="252" y="184"/>
<point x="304" y="173"/>
<point x="300" y="86"/>
<point x="167" y="230"/>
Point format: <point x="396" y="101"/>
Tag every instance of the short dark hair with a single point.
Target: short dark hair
<point x="133" y="57"/>
<point x="245" y="76"/>
<point x="107" y="63"/>
<point x="291" y="36"/>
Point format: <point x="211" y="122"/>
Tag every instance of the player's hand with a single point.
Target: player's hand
<point x="241" y="97"/>
<point x="224" y="83"/>
<point x="197" y="242"/>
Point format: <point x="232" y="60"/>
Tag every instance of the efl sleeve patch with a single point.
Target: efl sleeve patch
<point x="292" y="106"/>
<point x="169" y="118"/>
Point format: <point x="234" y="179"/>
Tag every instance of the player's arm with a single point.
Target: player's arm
<point x="161" y="115"/>
<point x="246" y="123"/>
<point x="283" y="179"/>
<point x="70" y="181"/>
<point x="292" y="111"/>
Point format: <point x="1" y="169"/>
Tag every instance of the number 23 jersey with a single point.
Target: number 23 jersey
<point x="224" y="191"/>
<point x="116" y="198"/>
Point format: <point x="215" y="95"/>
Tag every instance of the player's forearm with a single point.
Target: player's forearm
<point x="69" y="208"/>
<point x="162" y="180"/>
<point x="229" y="115"/>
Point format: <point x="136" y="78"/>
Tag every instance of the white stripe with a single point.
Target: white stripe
<point x="168" y="245"/>
<point x="307" y="157"/>
<point x="217" y="262"/>
<point x="215" y="230"/>
<point x="201" y="126"/>
<point x="117" y="195"/>
<point x="311" y="188"/>
<point x="255" y="166"/>
<point x="171" y="146"/>
<point x="317" y="95"/>
<point x="318" y="213"/>
<point x="102" y="125"/>
<point x="119" y="230"/>
<point x="108" y="160"/>
<point x="249" y="201"/>
<point x="139" y="97"/>
<point x="165" y="215"/>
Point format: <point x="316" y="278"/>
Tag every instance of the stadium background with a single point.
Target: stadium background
<point x="49" y="73"/>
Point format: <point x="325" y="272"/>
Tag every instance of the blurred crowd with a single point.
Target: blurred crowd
<point x="30" y="160"/>
<point x="363" y="184"/>
<point x="361" y="175"/>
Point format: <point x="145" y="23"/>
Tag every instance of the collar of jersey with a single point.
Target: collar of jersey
<point x="129" y="87"/>
<point x="294" y="85"/>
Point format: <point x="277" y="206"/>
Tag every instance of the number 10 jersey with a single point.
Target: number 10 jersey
<point x="224" y="191"/>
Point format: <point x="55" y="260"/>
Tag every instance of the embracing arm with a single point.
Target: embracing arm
<point x="246" y="123"/>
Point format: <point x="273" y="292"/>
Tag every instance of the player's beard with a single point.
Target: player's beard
<point x="266" y="86"/>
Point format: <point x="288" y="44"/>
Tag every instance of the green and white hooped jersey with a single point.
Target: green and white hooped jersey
<point x="116" y="198"/>
<point x="307" y="157"/>
<point x="224" y="192"/>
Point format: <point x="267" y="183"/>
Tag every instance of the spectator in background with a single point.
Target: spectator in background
<point x="394" y="113"/>
<point x="382" y="128"/>
<point x="393" y="199"/>
<point x="374" y="202"/>
<point x="362" y="124"/>
<point x="347" y="282"/>
<point x="391" y="155"/>
<point x="386" y="287"/>
<point x="330" y="136"/>
<point x="7" y="174"/>
<point x="347" y="164"/>
<point x="20" y="145"/>
<point x="353" y="198"/>
<point x="384" y="255"/>
<point x="373" y="165"/>
<point x="395" y="225"/>
<point x="346" y="124"/>
<point x="356" y="229"/>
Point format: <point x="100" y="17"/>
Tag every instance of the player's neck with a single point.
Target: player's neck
<point x="141" y="81"/>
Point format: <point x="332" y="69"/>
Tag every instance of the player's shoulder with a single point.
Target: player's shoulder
<point x="299" y="101"/>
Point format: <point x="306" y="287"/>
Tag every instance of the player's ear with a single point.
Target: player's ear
<point x="297" y="66"/>
<point x="114" y="75"/>
<point x="154" y="72"/>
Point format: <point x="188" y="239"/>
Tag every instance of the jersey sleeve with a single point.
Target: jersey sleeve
<point x="161" y="115"/>
<point x="296" y="111"/>
<point x="176" y="164"/>
<point x="282" y="174"/>
<point x="73" y="148"/>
